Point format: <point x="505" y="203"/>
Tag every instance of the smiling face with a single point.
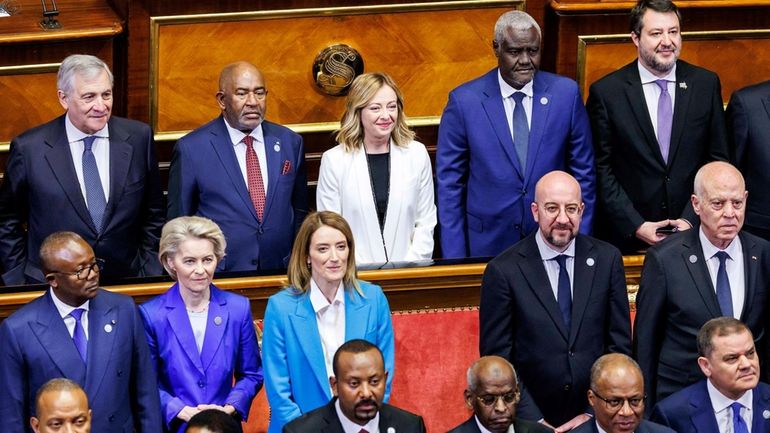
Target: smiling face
<point x="379" y="115"/>
<point x="194" y="263"/>
<point x="518" y="56"/>
<point x="242" y="96"/>
<point x="328" y="257"/>
<point x="659" y="41"/>
<point x="89" y="104"/>
<point x="733" y="364"/>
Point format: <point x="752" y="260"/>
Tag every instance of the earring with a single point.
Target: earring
<point x="308" y="266"/>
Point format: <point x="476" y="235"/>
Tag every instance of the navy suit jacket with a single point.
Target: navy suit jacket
<point x="229" y="352"/>
<point x="205" y="180"/>
<point x="520" y="320"/>
<point x="644" y="427"/>
<point x="325" y="420"/>
<point x="120" y="382"/>
<point x="484" y="194"/>
<point x="676" y="297"/>
<point x="41" y="189"/>
<point x="690" y="410"/>
<point x="519" y="426"/>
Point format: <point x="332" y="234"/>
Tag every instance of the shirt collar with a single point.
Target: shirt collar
<point x="649" y="77"/>
<point x="74" y="134"/>
<point x="349" y="426"/>
<point x="319" y="301"/>
<point x="484" y="429"/>
<point x="548" y="253"/>
<point x="733" y="249"/>
<point x="506" y="90"/>
<point x="64" y="309"/>
<point x="720" y="402"/>
<point x="236" y="136"/>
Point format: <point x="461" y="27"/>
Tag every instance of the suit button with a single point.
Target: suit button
<point x="112" y="418"/>
<point x="261" y="230"/>
<point x="255" y="262"/>
<point x="668" y="179"/>
<point x="201" y="384"/>
<point x="571" y="353"/>
<point x="517" y="227"/>
<point x="120" y="373"/>
<point x="523" y="191"/>
<point x="567" y="387"/>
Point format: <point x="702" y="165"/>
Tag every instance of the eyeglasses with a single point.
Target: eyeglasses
<point x="85" y="272"/>
<point x="617" y="403"/>
<point x="260" y="94"/>
<point x="491" y="399"/>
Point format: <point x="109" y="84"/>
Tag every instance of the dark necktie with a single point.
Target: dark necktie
<point x="739" y="425"/>
<point x="563" y="292"/>
<point x="79" y="336"/>
<point x="254" y="176"/>
<point x="520" y="129"/>
<point x="94" y="192"/>
<point x="665" y="118"/>
<point x="724" y="295"/>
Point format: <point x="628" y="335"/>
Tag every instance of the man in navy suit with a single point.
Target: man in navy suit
<point x="731" y="398"/>
<point x="244" y="173"/>
<point x="492" y="150"/>
<point x="80" y="332"/>
<point x="87" y="172"/>
<point x="617" y="398"/>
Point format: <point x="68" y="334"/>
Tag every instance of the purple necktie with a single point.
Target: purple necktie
<point x="79" y="336"/>
<point x="665" y="118"/>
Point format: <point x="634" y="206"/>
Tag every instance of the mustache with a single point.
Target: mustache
<point x="368" y="401"/>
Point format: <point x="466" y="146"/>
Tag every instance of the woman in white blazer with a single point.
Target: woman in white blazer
<point x="378" y="177"/>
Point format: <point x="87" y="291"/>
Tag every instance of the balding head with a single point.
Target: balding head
<point x="61" y="405"/>
<point x="558" y="208"/>
<point x="720" y="202"/>
<point x="242" y="96"/>
<point x="617" y="393"/>
<point x="492" y="392"/>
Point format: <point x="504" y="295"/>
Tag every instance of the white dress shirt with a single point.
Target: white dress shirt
<point x="506" y="91"/>
<point x="65" y="310"/>
<point x="330" y="317"/>
<point x="724" y="414"/>
<point x="348" y="426"/>
<point x="547" y="254"/>
<point x="483" y="429"/>
<point x="652" y="91"/>
<point x="734" y="265"/>
<point x="100" y="149"/>
<point x="198" y="323"/>
<point x="236" y="138"/>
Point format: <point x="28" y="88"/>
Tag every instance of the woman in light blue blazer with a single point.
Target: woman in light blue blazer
<point x="324" y="306"/>
<point x="201" y="338"/>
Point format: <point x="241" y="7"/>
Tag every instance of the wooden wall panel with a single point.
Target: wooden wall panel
<point x="29" y="98"/>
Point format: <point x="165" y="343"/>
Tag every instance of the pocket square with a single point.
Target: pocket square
<point x="286" y="167"/>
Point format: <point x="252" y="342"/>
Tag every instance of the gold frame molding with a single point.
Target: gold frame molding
<point x="39" y="68"/>
<point x="158" y="21"/>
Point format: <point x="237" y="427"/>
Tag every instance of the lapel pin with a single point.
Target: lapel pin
<point x="766" y="414"/>
<point x="108" y="328"/>
<point x="683" y="86"/>
<point x="392" y="430"/>
<point x="543" y="101"/>
<point x="753" y="257"/>
<point x="113" y="321"/>
<point x="693" y="258"/>
<point x="590" y="261"/>
<point x="277" y="146"/>
<point x="217" y="320"/>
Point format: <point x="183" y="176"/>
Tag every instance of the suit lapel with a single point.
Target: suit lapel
<point x="306" y="329"/>
<point x="766" y="103"/>
<point x="761" y="403"/>
<point x="220" y="141"/>
<point x="54" y="338"/>
<point x="692" y="256"/>
<point x="216" y="323"/>
<point x="102" y="332"/>
<point x="582" y="281"/>
<point x="493" y="106"/>
<point x="750" y="269"/>
<point x="356" y="316"/>
<point x="533" y="270"/>
<point x="684" y="91"/>
<point x="179" y="323"/>
<point x="637" y="102"/>
<point x="274" y="164"/>
<point x="332" y="423"/>
<point x="398" y="180"/>
<point x="540" y="112"/>
<point x="702" y="415"/>
<point x="120" y="160"/>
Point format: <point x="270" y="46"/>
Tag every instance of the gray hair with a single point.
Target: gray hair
<point x="471" y="375"/>
<point x="84" y="65"/>
<point x="180" y="229"/>
<point x="517" y="20"/>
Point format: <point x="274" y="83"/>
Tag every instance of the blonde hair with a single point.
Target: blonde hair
<point x="299" y="273"/>
<point x="180" y="229"/>
<point x="362" y="91"/>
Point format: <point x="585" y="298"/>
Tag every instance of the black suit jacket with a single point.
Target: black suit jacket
<point x="520" y="320"/>
<point x="676" y="297"/>
<point x="634" y="183"/>
<point x="644" y="427"/>
<point x="41" y="189"/>
<point x="324" y="420"/>
<point x="519" y="426"/>
<point x="748" y="120"/>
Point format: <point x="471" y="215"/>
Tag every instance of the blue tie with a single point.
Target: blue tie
<point x="563" y="292"/>
<point x="724" y="296"/>
<point x="79" y="336"/>
<point x="94" y="192"/>
<point x="520" y="130"/>
<point x="739" y="425"/>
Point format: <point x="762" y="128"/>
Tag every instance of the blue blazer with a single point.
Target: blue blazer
<point x="205" y="180"/>
<point x="644" y="427"/>
<point x="484" y="194"/>
<point x="295" y="370"/>
<point x="189" y="378"/>
<point x="690" y="410"/>
<point x="120" y="382"/>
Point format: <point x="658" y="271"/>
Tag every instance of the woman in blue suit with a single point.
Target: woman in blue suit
<point x="201" y="339"/>
<point x="323" y="307"/>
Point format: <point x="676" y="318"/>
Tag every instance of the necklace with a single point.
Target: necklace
<point x="201" y="309"/>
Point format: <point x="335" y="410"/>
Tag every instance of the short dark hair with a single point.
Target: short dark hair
<point x="57" y="384"/>
<point x="662" y="6"/>
<point x="216" y="421"/>
<point x="354" y="346"/>
<point x="52" y="244"/>
<point x="718" y="327"/>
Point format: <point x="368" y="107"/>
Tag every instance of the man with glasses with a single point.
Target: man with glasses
<point x="617" y="398"/>
<point x="244" y="173"/>
<point x="492" y="393"/>
<point x="731" y="398"/>
<point x="83" y="333"/>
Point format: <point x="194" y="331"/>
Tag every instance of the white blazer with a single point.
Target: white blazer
<point x="344" y="187"/>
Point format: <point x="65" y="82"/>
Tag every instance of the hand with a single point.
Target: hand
<point x="545" y="423"/>
<point x="646" y="231"/>
<point x="187" y="412"/>
<point x="574" y="422"/>
<point x="681" y="224"/>
<point x="228" y="408"/>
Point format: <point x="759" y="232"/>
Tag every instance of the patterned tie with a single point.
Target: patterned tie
<point x="665" y="118"/>
<point x="739" y="425"/>
<point x="520" y="129"/>
<point x="94" y="192"/>
<point x="563" y="292"/>
<point x="79" y="336"/>
<point x="724" y="295"/>
<point x="254" y="176"/>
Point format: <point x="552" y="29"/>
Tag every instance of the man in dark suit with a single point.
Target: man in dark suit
<point x="492" y="393"/>
<point x="716" y="270"/>
<point x="244" y="173"/>
<point x="61" y="406"/>
<point x="86" y="172"/>
<point x="617" y="398"/>
<point x="748" y="120"/>
<point x="731" y="397"/>
<point x="655" y="122"/>
<point x="553" y="303"/>
<point x="358" y="386"/>
<point x="498" y="135"/>
<point x="81" y="332"/>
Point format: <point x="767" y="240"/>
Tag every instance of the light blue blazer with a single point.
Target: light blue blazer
<point x="295" y="371"/>
<point x="187" y="378"/>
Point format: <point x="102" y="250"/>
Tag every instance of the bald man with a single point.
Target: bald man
<point x="715" y="270"/>
<point x="244" y="173"/>
<point x="62" y="405"/>
<point x="555" y="302"/>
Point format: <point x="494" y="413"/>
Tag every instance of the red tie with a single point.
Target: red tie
<point x="254" y="176"/>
